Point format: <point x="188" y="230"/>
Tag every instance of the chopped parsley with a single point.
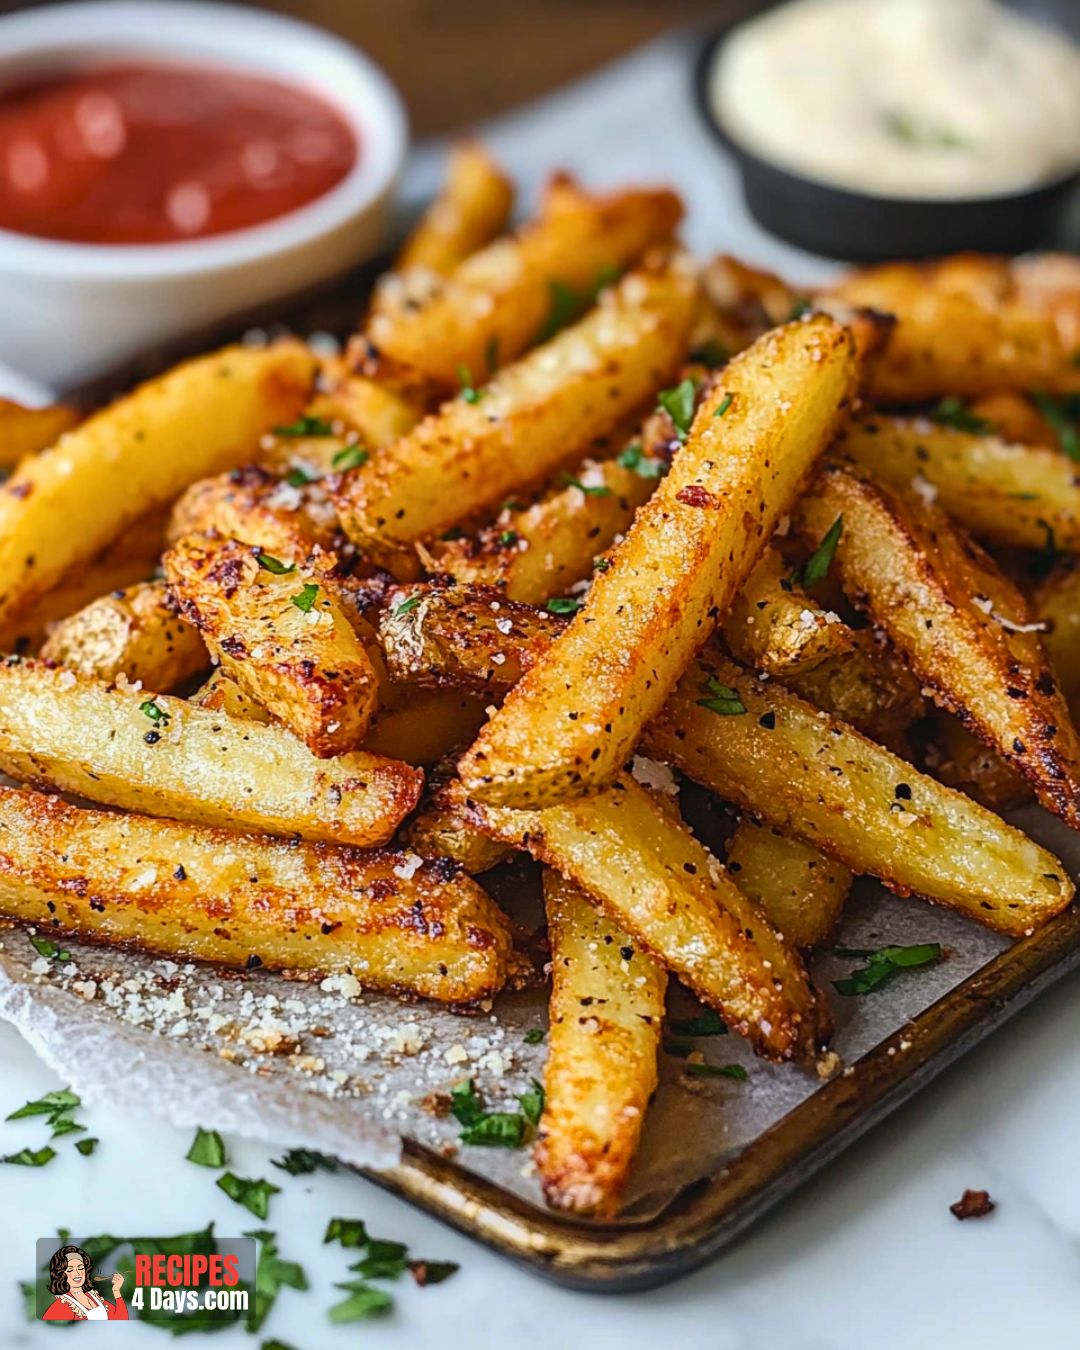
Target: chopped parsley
<point x="508" y="538"/>
<point x="156" y="714"/>
<point x="300" y="477"/>
<point x="721" y="698"/>
<point x="711" y="353"/>
<point x="350" y="457"/>
<point x="86" y="1146"/>
<point x="494" y="1129"/>
<point x="299" y="1162"/>
<point x="717" y="1071"/>
<point x="57" y="1108"/>
<point x="563" y="604"/>
<point x="725" y="404"/>
<point x="800" y="309"/>
<point x="645" y="466"/>
<point x="469" y="392"/>
<point x="349" y="1232"/>
<point x="535" y="1036"/>
<point x="678" y="403"/>
<point x="27" y="1157"/>
<point x="306" y="426"/>
<point x="598" y="491"/>
<point x="272" y="1274"/>
<point x="1063" y="414"/>
<point x="882" y="965"/>
<point x="707" y="1023"/>
<point x="251" y="1192"/>
<point x="48" y="948"/>
<point x="305" y="600"/>
<point x="207" y="1149"/>
<point x="407" y="606"/>
<point x="903" y="127"/>
<point x="955" y="412"/>
<point x="817" y="567"/>
<point x="269" y="563"/>
<point x="384" y="1260"/>
<point x="364" y="1301"/>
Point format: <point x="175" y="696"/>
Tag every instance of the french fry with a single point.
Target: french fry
<point x="961" y="761"/>
<point x="282" y="634"/>
<point x="256" y="507"/>
<point x="472" y="207"/>
<point x="443" y="828"/>
<point x="222" y="694"/>
<point x="774" y="626"/>
<point x="498" y="301"/>
<point x="25" y="431"/>
<point x="1015" y="495"/>
<point x="650" y="876"/>
<point x="531" y="418"/>
<point x="1057" y="603"/>
<point x="167" y="756"/>
<point x="607" y="1012"/>
<point x="573" y="720"/>
<point x="194" y="893"/>
<point x="131" y="632"/>
<point x="128" y="560"/>
<point x="1014" y="417"/>
<point x="65" y="505"/>
<point x="422" y="726"/>
<point x="799" y="890"/>
<point x="818" y="780"/>
<point x="948" y="341"/>
<point x="964" y="629"/>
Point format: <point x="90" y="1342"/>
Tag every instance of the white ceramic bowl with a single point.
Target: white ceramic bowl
<point x="70" y="311"/>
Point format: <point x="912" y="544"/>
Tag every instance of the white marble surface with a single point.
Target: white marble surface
<point x="866" y="1256"/>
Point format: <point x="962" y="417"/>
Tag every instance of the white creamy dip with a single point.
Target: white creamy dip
<point x="905" y="98"/>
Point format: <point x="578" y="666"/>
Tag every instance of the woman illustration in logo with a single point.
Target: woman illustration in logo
<point x="71" y="1279"/>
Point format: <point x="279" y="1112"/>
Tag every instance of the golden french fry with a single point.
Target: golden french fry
<point x="649" y="874"/>
<point x="1057" y="603"/>
<point x="26" y="431"/>
<point x="963" y="762"/>
<point x="282" y="634"/>
<point x="818" y="780"/>
<point x="573" y="720"/>
<point x="607" y="1012"/>
<point x="499" y="300"/>
<point x="167" y="756"/>
<point x="1023" y="496"/>
<point x="774" y="626"/>
<point x="256" y="507"/>
<point x="444" y="829"/>
<point x="194" y="893"/>
<point x="472" y="207"/>
<point x="531" y="418"/>
<point x="62" y="507"/>
<point x="132" y="632"/>
<point x="963" y="627"/>
<point x="799" y="890"/>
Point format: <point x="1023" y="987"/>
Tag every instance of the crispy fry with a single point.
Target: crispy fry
<point x="965" y="630"/>
<point x="601" y="1067"/>
<point x="62" y="507"/>
<point x="166" y="756"/>
<point x="652" y="877"/>
<point x="799" y="890"/>
<point x="1057" y="603"/>
<point x="470" y="210"/>
<point x="256" y="507"/>
<point x="573" y="720"/>
<point x="422" y="726"/>
<point x="532" y="417"/>
<point x="25" y="431"/>
<point x="961" y="761"/>
<point x="282" y="634"/>
<point x="817" y="780"/>
<point x="131" y="632"/>
<point x="774" y="626"/>
<point x="498" y="301"/>
<point x="1015" y="495"/>
<point x="243" y="900"/>
<point x="445" y="829"/>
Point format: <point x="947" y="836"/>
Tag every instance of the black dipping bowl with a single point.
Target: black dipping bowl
<point x="857" y="227"/>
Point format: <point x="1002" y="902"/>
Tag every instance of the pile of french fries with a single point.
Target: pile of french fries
<point x="312" y="642"/>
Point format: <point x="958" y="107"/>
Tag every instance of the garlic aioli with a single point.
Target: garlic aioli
<point x="903" y="98"/>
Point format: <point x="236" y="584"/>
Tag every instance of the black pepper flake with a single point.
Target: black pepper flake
<point x="253" y="962"/>
<point x="626" y="953"/>
<point x="903" y="792"/>
<point x="767" y="720"/>
<point x="180" y="874"/>
<point x="152" y="737"/>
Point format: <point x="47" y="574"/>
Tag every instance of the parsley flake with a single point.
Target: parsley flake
<point x="207" y="1149"/>
<point x="535" y="1036"/>
<point x="645" y="466"/>
<point x="722" y="698"/>
<point x="57" y="1108"/>
<point x="306" y="426"/>
<point x="1063" y="415"/>
<point x="407" y="606"/>
<point x="711" y="353"/>
<point x="305" y="600"/>
<point x="708" y="1023"/>
<point x="350" y="457"/>
<point x="364" y="1301"/>
<point x="508" y="538"/>
<point x="882" y="965"/>
<point x="817" y="567"/>
<point x="955" y="412"/>
<point x="532" y="1103"/>
<point x="725" y="404"/>
<point x="48" y="948"/>
<point x="349" y="1232"/>
<point x="27" y="1157"/>
<point x="717" y="1071"/>
<point x="299" y="1162"/>
<point x="469" y="392"/>
<point x="678" y="403"/>
<point x="563" y="604"/>
<point x="488" y="1129"/>
<point x="272" y="1274"/>
<point x="252" y="1192"/>
<point x="269" y="563"/>
<point x="300" y="477"/>
<point x="156" y="714"/>
<point x="86" y="1146"/>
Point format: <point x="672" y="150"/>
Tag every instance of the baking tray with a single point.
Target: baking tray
<point x="700" y="1220"/>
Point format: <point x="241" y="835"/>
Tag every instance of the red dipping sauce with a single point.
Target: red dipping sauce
<point x="147" y="154"/>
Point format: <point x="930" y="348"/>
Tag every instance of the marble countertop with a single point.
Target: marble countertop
<point x="867" y="1254"/>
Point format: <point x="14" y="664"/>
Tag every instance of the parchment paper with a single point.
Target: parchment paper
<point x="350" y="1074"/>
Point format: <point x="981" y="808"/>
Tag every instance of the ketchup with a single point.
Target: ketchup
<point x="148" y="154"/>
